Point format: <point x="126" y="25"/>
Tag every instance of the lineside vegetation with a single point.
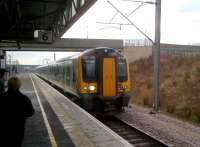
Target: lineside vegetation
<point x="179" y="88"/>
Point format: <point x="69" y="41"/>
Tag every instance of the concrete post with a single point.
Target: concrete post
<point x="156" y="55"/>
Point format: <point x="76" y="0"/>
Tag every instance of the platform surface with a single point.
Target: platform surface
<point x="58" y="122"/>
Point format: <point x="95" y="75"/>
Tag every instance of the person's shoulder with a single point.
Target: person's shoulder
<point x="4" y="94"/>
<point x="4" y="97"/>
<point x="23" y="95"/>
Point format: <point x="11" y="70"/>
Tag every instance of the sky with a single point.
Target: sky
<point x="36" y="58"/>
<point x="180" y="21"/>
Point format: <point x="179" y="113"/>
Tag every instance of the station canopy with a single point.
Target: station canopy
<point x="39" y="21"/>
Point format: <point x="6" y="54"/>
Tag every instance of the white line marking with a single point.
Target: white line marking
<point x="49" y="130"/>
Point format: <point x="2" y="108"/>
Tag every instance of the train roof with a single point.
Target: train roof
<point x="99" y="49"/>
<point x="84" y="52"/>
<point x="93" y="50"/>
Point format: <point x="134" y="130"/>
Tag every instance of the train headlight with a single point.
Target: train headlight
<point x="85" y="88"/>
<point x="122" y="87"/>
<point x="92" y="88"/>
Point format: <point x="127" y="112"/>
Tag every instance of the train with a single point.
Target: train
<point x="98" y="78"/>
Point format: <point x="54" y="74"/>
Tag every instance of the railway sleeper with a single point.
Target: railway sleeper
<point x="147" y="144"/>
<point x="129" y="137"/>
<point x="137" y="140"/>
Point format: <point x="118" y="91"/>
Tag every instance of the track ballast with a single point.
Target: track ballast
<point x="134" y="136"/>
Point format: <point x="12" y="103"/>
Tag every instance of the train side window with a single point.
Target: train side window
<point x="63" y="69"/>
<point x="89" y="69"/>
<point x="57" y="69"/>
<point x="122" y="70"/>
<point x="53" y="68"/>
<point x="68" y="73"/>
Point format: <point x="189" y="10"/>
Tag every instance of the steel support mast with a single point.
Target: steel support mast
<point x="156" y="57"/>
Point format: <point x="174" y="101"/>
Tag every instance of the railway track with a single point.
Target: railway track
<point x="134" y="136"/>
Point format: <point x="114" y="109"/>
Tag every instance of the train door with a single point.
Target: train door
<point x="109" y="77"/>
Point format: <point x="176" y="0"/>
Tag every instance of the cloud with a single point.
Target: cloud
<point x="190" y="6"/>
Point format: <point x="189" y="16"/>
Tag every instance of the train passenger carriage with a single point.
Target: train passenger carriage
<point x="98" y="77"/>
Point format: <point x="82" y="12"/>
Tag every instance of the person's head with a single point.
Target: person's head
<point x="14" y="83"/>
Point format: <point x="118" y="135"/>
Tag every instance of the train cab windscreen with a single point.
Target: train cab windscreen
<point x="122" y="70"/>
<point x="89" y="69"/>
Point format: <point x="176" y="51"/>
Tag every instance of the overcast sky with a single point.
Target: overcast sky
<point x="180" y="21"/>
<point x="180" y="25"/>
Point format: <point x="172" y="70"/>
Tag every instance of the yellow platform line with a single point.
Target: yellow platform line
<point x="49" y="130"/>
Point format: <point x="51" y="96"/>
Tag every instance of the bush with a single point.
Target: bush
<point x="146" y="101"/>
<point x="183" y="110"/>
<point x="170" y="108"/>
<point x="186" y="112"/>
<point x="194" y="119"/>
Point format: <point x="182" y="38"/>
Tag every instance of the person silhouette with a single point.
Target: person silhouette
<point x="2" y="80"/>
<point x="15" y="108"/>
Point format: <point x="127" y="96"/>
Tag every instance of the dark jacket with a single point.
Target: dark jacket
<point x="15" y="108"/>
<point x="2" y="88"/>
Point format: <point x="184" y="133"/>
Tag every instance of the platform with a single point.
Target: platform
<point x="60" y="123"/>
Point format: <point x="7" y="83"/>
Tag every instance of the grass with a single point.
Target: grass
<point x="179" y="87"/>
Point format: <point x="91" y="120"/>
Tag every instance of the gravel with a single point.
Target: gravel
<point x="174" y="132"/>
